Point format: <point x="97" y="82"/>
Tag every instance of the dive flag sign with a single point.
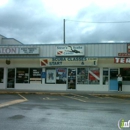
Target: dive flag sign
<point x="70" y="50"/>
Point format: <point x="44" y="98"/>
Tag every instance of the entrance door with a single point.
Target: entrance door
<point x="113" y="79"/>
<point x="71" y="78"/>
<point x="10" y="78"/>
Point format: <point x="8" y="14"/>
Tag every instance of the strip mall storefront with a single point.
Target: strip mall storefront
<point x="68" y="68"/>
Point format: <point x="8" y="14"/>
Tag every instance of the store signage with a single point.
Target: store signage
<point x="70" y="50"/>
<point x="29" y="50"/>
<point x="122" y="60"/>
<point x="69" y="61"/>
<point x="19" y="50"/>
<point x="9" y="50"/>
<point x="124" y="54"/>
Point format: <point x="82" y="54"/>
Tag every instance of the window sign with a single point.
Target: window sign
<point x="22" y="75"/>
<point x="94" y="75"/>
<point x="50" y="76"/>
<point x="61" y="75"/>
<point x="35" y="75"/>
<point x="43" y="75"/>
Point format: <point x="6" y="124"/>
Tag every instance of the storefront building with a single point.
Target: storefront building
<point x="80" y="67"/>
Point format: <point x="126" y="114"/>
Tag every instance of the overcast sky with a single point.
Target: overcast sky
<point x="41" y="21"/>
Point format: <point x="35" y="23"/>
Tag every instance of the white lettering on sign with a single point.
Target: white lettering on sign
<point x="9" y="50"/>
<point x="122" y="60"/>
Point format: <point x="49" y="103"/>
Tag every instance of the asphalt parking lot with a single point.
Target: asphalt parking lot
<point x="62" y="111"/>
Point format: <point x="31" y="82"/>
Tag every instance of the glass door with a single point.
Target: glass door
<point x="71" y="78"/>
<point x="113" y="79"/>
<point x="10" y="78"/>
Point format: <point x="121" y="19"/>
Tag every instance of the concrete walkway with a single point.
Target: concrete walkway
<point x="98" y="93"/>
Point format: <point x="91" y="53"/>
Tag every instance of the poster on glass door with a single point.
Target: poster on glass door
<point x="51" y="76"/>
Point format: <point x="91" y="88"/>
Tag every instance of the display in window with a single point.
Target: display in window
<point x="94" y="76"/>
<point x="51" y="76"/>
<point x="82" y="75"/>
<point x="61" y="75"/>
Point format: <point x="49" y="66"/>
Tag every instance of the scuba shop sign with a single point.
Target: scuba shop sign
<point x="70" y="50"/>
<point x="68" y="61"/>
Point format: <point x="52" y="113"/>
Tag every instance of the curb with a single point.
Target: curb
<point x="112" y="95"/>
<point x="118" y="95"/>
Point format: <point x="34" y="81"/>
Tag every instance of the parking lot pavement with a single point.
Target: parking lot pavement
<point x="89" y="98"/>
<point x="8" y="97"/>
<point x="65" y="111"/>
<point x="97" y="98"/>
<point x="11" y="99"/>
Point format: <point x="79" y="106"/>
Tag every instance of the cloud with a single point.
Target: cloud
<point x="83" y="32"/>
<point x="29" y="23"/>
<point x="33" y="22"/>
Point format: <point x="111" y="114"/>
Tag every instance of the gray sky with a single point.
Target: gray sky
<point x="41" y="21"/>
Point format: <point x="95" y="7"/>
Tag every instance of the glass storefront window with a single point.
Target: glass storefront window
<point x="94" y="76"/>
<point x="56" y="75"/>
<point x="51" y="75"/>
<point x="82" y="76"/>
<point x="105" y="76"/>
<point x="61" y="75"/>
<point x="35" y="75"/>
<point x="125" y="72"/>
<point x="1" y="75"/>
<point x="22" y="75"/>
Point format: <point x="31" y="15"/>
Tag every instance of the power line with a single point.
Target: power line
<point x="98" y="21"/>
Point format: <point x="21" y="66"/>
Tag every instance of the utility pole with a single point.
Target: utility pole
<point x="64" y="31"/>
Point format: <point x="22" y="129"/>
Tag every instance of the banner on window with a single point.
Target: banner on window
<point x="51" y="76"/>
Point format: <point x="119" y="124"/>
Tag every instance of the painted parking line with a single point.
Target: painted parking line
<point x="13" y="102"/>
<point x="96" y="96"/>
<point x="23" y="97"/>
<point x="79" y="96"/>
<point x="48" y="98"/>
<point x="75" y="98"/>
<point x="101" y="99"/>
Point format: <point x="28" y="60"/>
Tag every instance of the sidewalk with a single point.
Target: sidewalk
<point x="54" y="92"/>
